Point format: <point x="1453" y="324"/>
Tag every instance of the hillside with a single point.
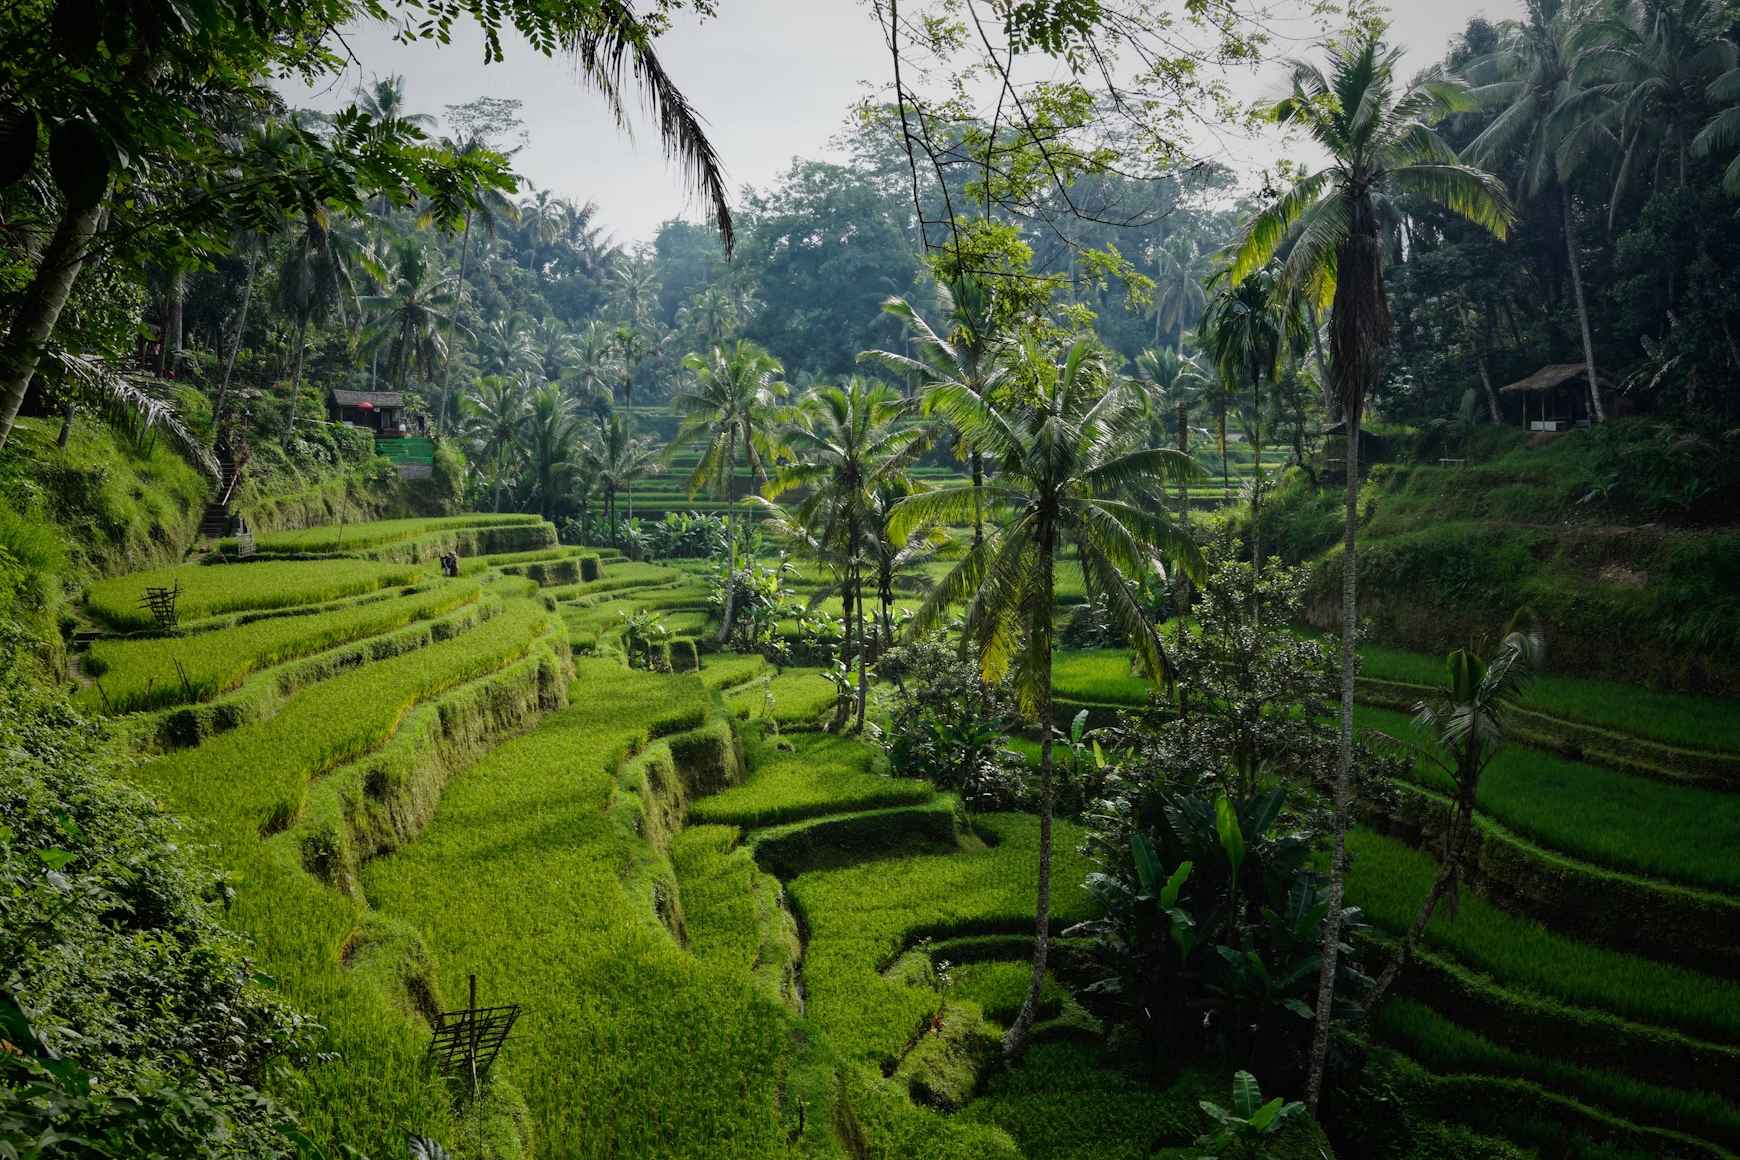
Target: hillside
<point x="1622" y="539"/>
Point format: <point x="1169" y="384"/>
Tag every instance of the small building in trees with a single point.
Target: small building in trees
<point x="1554" y="398"/>
<point x="382" y="412"/>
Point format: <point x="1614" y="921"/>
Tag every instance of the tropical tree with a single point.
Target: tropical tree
<point x="847" y="444"/>
<point x="595" y="366"/>
<point x="317" y="278"/>
<point x="1182" y="270"/>
<point x="1548" y="117"/>
<point x="1653" y="64"/>
<point x="552" y="434"/>
<point x="963" y="354"/>
<point x="383" y="98"/>
<point x="729" y="411"/>
<point x="553" y="346"/>
<point x="615" y="458"/>
<point x="1173" y="384"/>
<point x="1468" y="722"/>
<point x="495" y="421"/>
<point x="1056" y="436"/>
<point x="1379" y="145"/>
<point x="410" y="312"/>
<point x="505" y="348"/>
<point x="491" y="208"/>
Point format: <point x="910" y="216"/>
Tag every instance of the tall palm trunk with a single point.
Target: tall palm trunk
<point x="1582" y="307"/>
<point x="1015" y="1041"/>
<point x="730" y="535"/>
<point x="453" y="318"/>
<point x="217" y="411"/>
<point x="41" y="305"/>
<point x="863" y="647"/>
<point x="1330" y="951"/>
<point x="1483" y="361"/>
<point x="978" y="504"/>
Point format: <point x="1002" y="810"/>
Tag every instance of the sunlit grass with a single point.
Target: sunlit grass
<point x="1390" y="880"/>
<point x="216" y="589"/>
<point x="822" y="775"/>
<point x="1678" y="832"/>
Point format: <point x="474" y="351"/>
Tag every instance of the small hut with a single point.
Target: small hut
<point x="1554" y="398"/>
<point x="382" y="412"/>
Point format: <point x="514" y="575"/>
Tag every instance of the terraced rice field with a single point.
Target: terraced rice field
<point x="726" y="928"/>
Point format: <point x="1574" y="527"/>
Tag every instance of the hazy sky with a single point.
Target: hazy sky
<point x="774" y="79"/>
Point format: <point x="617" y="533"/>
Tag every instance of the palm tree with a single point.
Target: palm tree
<point x="962" y="355"/>
<point x="540" y="217"/>
<point x="632" y="346"/>
<point x="1172" y="384"/>
<point x="1552" y="121"/>
<point x="1653" y="64"/>
<point x="492" y="208"/>
<point x="729" y="410"/>
<point x="615" y="458"/>
<point x="1467" y="719"/>
<point x="316" y="278"/>
<point x="595" y="366"/>
<point x="1182" y="269"/>
<point x="1246" y="326"/>
<point x="634" y="284"/>
<point x="505" y="348"/>
<point x="495" y="420"/>
<point x="1055" y="436"/>
<point x="553" y="345"/>
<point x="1379" y="145"/>
<point x="846" y="444"/>
<point x="410" y="311"/>
<point x="1722" y="130"/>
<point x="384" y="100"/>
<point x="552" y="435"/>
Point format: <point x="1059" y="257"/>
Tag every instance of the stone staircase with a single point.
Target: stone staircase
<point x="216" y="522"/>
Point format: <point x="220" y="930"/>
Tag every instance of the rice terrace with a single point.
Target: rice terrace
<point x="1084" y="580"/>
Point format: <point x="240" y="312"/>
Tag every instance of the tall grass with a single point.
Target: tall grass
<point x="345" y="537"/>
<point x="1680" y="719"/>
<point x="213" y="590"/>
<point x="1389" y="880"/>
<point x="142" y="673"/>
<point x="1680" y="833"/>
<point x="822" y="775"/>
<point x="629" y="1046"/>
<point x="1444" y="1047"/>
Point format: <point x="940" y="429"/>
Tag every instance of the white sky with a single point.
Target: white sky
<point x="774" y="79"/>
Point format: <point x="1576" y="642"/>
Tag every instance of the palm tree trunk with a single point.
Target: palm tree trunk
<point x="1582" y="307"/>
<point x="1330" y="951"/>
<point x="1448" y="873"/>
<point x="217" y="411"/>
<point x="1015" y="1041"/>
<point x="863" y="647"/>
<point x="978" y="507"/>
<point x="453" y="316"/>
<point x="1325" y="383"/>
<point x="1483" y="362"/>
<point x="173" y="332"/>
<point x="1225" y="468"/>
<point x="41" y="305"/>
<point x="730" y="535"/>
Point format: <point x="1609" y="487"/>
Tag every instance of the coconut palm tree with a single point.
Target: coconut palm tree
<point x="615" y="458"/>
<point x="846" y="444"/>
<point x="595" y="367"/>
<point x="317" y="277"/>
<point x="495" y="421"/>
<point x="552" y="434"/>
<point x="491" y="208"/>
<point x="1172" y="385"/>
<point x="553" y="345"/>
<point x="383" y="98"/>
<point x="729" y="411"/>
<point x="1182" y="270"/>
<point x="1056" y="436"/>
<point x="1652" y="64"/>
<point x="505" y="348"/>
<point x="964" y="354"/>
<point x="410" y="313"/>
<point x="1548" y="117"/>
<point x="1379" y="144"/>
<point x="1722" y="131"/>
<point x="1468" y="722"/>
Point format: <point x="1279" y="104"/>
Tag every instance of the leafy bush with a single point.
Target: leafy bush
<point x="140" y="1026"/>
<point x="947" y="726"/>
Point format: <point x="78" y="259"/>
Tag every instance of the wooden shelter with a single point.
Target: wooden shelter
<point x="382" y="412"/>
<point x="1554" y="398"/>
